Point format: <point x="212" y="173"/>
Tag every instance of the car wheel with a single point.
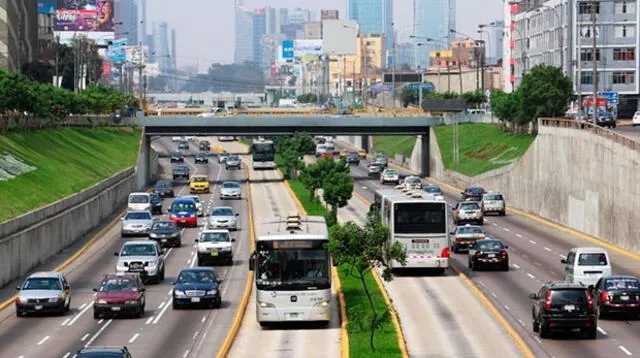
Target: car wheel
<point x="544" y="331"/>
<point x="67" y="308"/>
<point x="179" y="243"/>
<point x="230" y="261"/>
<point x="469" y="265"/>
<point x="96" y="315"/>
<point x="473" y="266"/>
<point x="218" y="303"/>
<point x="505" y="266"/>
<point x="602" y="313"/>
<point x="592" y="333"/>
<point x="174" y="305"/>
<point x="536" y="326"/>
<point x="481" y="222"/>
<point x="161" y="275"/>
<point x="503" y="213"/>
<point x="18" y="312"/>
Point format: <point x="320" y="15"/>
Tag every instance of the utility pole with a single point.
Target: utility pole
<point x="56" y="82"/>
<point x="595" y="62"/>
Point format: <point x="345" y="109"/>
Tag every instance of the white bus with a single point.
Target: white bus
<point x="418" y="221"/>
<point x="263" y="154"/>
<point x="292" y="270"/>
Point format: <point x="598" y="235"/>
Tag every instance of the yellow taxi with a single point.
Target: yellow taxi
<point x="199" y="184"/>
<point x="362" y="153"/>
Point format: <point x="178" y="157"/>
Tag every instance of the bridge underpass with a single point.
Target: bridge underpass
<point x="265" y="125"/>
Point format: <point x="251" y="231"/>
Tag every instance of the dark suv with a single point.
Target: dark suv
<point x="180" y="171"/>
<point x="564" y="306"/>
<point x="106" y="352"/>
<point x="205" y="145"/>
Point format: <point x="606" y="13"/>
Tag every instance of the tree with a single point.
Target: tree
<point x="308" y="98"/>
<point x="336" y="192"/>
<point x="360" y="250"/>
<point x="544" y="92"/>
<point x="291" y="161"/>
<point x="474" y="98"/>
<point x="39" y="71"/>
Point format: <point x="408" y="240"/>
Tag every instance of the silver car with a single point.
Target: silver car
<point x="222" y="157"/>
<point x="493" y="203"/>
<point x="233" y="161"/>
<point x="43" y="292"/>
<point x="136" y="223"/>
<point x="223" y="217"/>
<point x="230" y="190"/>
<point x="145" y="258"/>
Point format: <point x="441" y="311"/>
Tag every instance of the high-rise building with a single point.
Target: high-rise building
<point x="374" y="17"/>
<point x="18" y="33"/>
<point x="329" y="14"/>
<point x="312" y="30"/>
<point x="259" y="31"/>
<point x="495" y="42"/>
<point x="161" y="54"/>
<point x="275" y="18"/>
<point x="298" y="16"/>
<point x="244" y="34"/>
<point x="174" y="56"/>
<point x="433" y="20"/>
<point x="126" y="11"/>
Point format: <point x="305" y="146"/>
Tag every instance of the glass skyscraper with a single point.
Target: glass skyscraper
<point x="433" y="19"/>
<point x="374" y="17"/>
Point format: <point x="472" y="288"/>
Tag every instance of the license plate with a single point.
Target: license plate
<point x="38" y="307"/>
<point x="195" y="299"/>
<point x="115" y="308"/>
<point x="624" y="298"/>
<point x="183" y="221"/>
<point x="569" y="307"/>
<point x="293" y="315"/>
<point x="491" y="255"/>
<point x="164" y="240"/>
<point x="214" y="253"/>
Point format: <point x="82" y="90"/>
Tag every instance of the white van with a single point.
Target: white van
<point x="586" y="265"/>
<point x="139" y="202"/>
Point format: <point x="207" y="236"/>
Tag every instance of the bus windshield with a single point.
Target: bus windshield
<point x="263" y="151"/>
<point x="292" y="268"/>
<point x="420" y="218"/>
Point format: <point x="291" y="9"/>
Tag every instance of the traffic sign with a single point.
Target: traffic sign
<point x="424" y="86"/>
<point x="381" y="88"/>
<point x="612" y="97"/>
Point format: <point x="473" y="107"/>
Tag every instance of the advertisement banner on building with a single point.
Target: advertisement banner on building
<point x="47" y="7"/>
<point x="118" y="50"/>
<point x="137" y="55"/>
<point x="287" y="49"/>
<point x="303" y="48"/>
<point x="84" y="16"/>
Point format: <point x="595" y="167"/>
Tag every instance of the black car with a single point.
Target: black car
<point x="156" y="203"/>
<point x="564" y="306"/>
<point x="180" y="171"/>
<point x="489" y="253"/>
<point x="473" y="193"/>
<point x="166" y="233"/>
<point x="201" y="158"/>
<point x="198" y="286"/>
<point x="204" y="145"/>
<point x="104" y="352"/>
<point x="352" y="158"/>
<point x="184" y="145"/>
<point x="164" y="188"/>
<point x="617" y="294"/>
<point x="177" y="157"/>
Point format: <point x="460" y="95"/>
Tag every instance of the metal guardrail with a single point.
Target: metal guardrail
<point x="628" y="142"/>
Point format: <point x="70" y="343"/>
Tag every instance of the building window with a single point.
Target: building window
<point x="586" y="54"/>
<point x="585" y="7"/>
<point x="585" y="32"/>
<point x="624" y="7"/>
<point x="586" y="78"/>
<point x="626" y="77"/>
<point x="624" y="31"/>
<point x="624" y="54"/>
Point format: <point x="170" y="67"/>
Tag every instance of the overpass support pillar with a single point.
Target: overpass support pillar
<point x="143" y="171"/>
<point x="425" y="155"/>
<point x="364" y="143"/>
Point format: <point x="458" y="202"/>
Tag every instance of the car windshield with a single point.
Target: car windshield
<point x="200" y="155"/>
<point x="179" y="155"/>
<point x="200" y="180"/>
<point x="489" y="245"/>
<point x="598" y="259"/>
<point x="433" y="190"/>
<point x="155" y="196"/>
<point x="391" y="172"/>
<point x="493" y="197"/>
<point x="621" y="283"/>
<point x="233" y="158"/>
<point x="475" y="190"/>
<point x="138" y="250"/>
<point x="413" y="180"/>
<point x="163" y="185"/>
<point x="196" y="276"/>
<point x="45" y="283"/>
<point x="194" y="198"/>
<point x="138" y="199"/>
<point x="99" y="355"/>
<point x="230" y="185"/>
<point x="222" y="212"/>
<point x="121" y="284"/>
<point x="214" y="237"/>
<point x="181" y="169"/>
<point x="469" y="206"/>
<point x="138" y="216"/>
<point x="560" y="297"/>
<point x="164" y="225"/>
<point x="183" y="206"/>
<point x="465" y="230"/>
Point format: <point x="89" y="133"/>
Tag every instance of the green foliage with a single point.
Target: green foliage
<point x="475" y="98"/>
<point x="337" y="190"/>
<point x="308" y="98"/>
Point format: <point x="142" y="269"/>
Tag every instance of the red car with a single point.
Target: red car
<point x="121" y="293"/>
<point x="183" y="212"/>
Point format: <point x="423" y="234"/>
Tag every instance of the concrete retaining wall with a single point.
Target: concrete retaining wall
<point x="32" y="238"/>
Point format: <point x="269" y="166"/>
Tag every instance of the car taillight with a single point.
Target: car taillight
<point x="589" y="300"/>
<point x="478" y="253"/>
<point x="504" y="254"/>
<point x="444" y="253"/>
<point x="547" y="302"/>
<point x="604" y="297"/>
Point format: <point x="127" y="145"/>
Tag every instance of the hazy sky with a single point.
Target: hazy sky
<point x="205" y="28"/>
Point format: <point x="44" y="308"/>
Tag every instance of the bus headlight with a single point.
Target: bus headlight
<point x="266" y="305"/>
<point x="322" y="304"/>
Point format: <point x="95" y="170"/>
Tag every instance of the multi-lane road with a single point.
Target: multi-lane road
<point x="536" y="249"/>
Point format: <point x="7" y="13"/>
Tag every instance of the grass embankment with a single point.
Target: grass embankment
<point x="482" y="147"/>
<point x="68" y="161"/>
<point x="392" y="145"/>
<point x="356" y="301"/>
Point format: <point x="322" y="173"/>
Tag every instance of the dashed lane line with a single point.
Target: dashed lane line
<point x="625" y="350"/>
<point x="531" y="276"/>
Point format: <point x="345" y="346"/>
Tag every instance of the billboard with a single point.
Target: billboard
<point x="47" y="7"/>
<point x="340" y="37"/>
<point x="84" y="16"/>
<point x="287" y="49"/>
<point x="303" y="48"/>
<point x="118" y="51"/>
<point x="137" y="55"/>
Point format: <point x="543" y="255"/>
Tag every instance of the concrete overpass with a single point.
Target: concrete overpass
<point x="269" y="125"/>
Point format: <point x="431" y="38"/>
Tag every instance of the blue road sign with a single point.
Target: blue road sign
<point x="424" y="86"/>
<point x="380" y="88"/>
<point x="612" y="97"/>
<point x="287" y="49"/>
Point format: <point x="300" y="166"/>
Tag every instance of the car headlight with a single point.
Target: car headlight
<point x="101" y="302"/>
<point x="266" y="305"/>
<point x="56" y="299"/>
<point x="153" y="235"/>
<point x="192" y="215"/>
<point x="226" y="249"/>
<point x="152" y="264"/>
<point x="131" y="302"/>
<point x="179" y="293"/>
<point x="212" y="292"/>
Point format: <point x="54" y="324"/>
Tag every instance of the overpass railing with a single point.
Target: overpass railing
<point x="627" y="141"/>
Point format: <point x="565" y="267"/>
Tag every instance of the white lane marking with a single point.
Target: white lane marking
<point x="193" y="263"/>
<point x="602" y="331"/>
<point x="101" y="320"/>
<point x="364" y="187"/>
<point x="82" y="306"/>
<point x="170" y="291"/>
<point x="155" y="320"/>
<point x="98" y="333"/>
<point x="65" y="322"/>
<point x="204" y="318"/>
<point x="626" y="351"/>
<point x="481" y="283"/>
<point x="506" y="307"/>
<point x="505" y="229"/>
<point x="537" y="339"/>
<point x="185" y="354"/>
<point x="488" y="221"/>
<point x="161" y="304"/>
<point x="494" y="224"/>
<point x="86" y="308"/>
<point x="195" y="334"/>
<point x="494" y="295"/>
<point x="189" y="262"/>
<point x="149" y="320"/>
<point x="64" y="356"/>
<point x="43" y="340"/>
<point x="168" y="252"/>
<point x="192" y="253"/>
<point x="84" y="337"/>
<point x="135" y="336"/>
<point x="548" y="249"/>
<point x="531" y="276"/>
<point x="533" y="242"/>
<point x="563" y="257"/>
<point x="516" y="266"/>
<point x="518" y="235"/>
<point x="521" y="322"/>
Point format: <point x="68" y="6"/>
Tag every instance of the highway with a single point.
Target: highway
<point x="162" y="332"/>
<point x="629" y="131"/>
<point x="535" y="253"/>
<point x="270" y="198"/>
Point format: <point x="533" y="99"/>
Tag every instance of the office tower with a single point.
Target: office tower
<point x="174" y="56"/>
<point x="18" y="33"/>
<point x="433" y="20"/>
<point x="244" y="33"/>
<point x="126" y="11"/>
<point x="374" y="17"/>
<point x="495" y="42"/>
<point x="161" y="54"/>
<point x="142" y="29"/>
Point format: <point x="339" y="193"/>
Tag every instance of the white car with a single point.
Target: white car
<point x="139" y="202"/>
<point x="223" y="217"/>
<point x="145" y="258"/>
<point x="177" y="139"/>
<point x="390" y="176"/>
<point x="412" y="182"/>
<point x="215" y="246"/>
<point x="226" y="138"/>
<point x="190" y="138"/>
<point x="230" y="190"/>
<point x="636" y="119"/>
<point x="195" y="198"/>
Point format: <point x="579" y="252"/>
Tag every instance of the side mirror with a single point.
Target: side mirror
<point x="95" y="289"/>
<point x="233" y="240"/>
<point x="591" y="287"/>
<point x="18" y="288"/>
<point x="196" y="240"/>
<point x="143" y="289"/>
<point x="116" y="254"/>
<point x="452" y="233"/>
<point x="220" y="281"/>
<point x="252" y="262"/>
<point x="533" y="296"/>
<point x="506" y="246"/>
<point x="66" y="288"/>
<point x="237" y="214"/>
<point x="563" y="261"/>
<point x="453" y="208"/>
<point x="173" y="282"/>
